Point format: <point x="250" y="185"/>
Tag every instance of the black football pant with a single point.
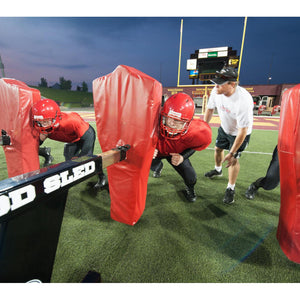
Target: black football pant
<point x="83" y="147"/>
<point x="185" y="169"/>
<point x="271" y="180"/>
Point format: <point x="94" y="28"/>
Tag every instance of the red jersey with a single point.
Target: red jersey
<point x="71" y="128"/>
<point x="198" y="137"/>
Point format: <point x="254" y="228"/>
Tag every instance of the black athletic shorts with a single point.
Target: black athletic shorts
<point x="225" y="141"/>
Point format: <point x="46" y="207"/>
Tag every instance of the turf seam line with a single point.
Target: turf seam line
<point x="260" y="241"/>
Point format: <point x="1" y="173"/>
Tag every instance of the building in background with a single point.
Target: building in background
<point x="262" y="94"/>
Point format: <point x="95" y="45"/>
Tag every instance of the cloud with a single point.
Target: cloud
<point x="83" y="48"/>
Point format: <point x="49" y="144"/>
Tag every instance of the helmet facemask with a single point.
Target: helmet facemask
<point x="45" y="126"/>
<point x="173" y="127"/>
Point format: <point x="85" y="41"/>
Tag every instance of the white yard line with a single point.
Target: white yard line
<point x="264" y="153"/>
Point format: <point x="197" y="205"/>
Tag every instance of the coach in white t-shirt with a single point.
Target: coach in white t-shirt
<point x="235" y="109"/>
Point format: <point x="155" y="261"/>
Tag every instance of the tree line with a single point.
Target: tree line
<point x="65" y="84"/>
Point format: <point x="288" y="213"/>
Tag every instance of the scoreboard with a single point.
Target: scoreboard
<point x="204" y="63"/>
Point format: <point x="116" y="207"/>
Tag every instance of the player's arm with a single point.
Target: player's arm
<point x="187" y="153"/>
<point x="230" y="157"/>
<point x="178" y="158"/>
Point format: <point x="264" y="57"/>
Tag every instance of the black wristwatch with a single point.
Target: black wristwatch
<point x="235" y="155"/>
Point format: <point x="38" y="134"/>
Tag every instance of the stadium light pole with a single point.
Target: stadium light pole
<point x="242" y="47"/>
<point x="179" y="60"/>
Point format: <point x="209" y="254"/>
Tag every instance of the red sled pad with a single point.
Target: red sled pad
<point x="288" y="231"/>
<point x="127" y="105"/>
<point x="16" y="100"/>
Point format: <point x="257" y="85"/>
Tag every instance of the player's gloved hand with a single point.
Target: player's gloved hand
<point x="176" y="159"/>
<point x="155" y="153"/>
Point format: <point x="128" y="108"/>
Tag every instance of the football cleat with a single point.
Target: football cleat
<point x="190" y="194"/>
<point x="157" y="173"/>
<point x="251" y="191"/>
<point x="101" y="184"/>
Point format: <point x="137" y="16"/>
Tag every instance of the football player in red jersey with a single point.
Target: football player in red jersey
<point x="180" y="136"/>
<point x="66" y="127"/>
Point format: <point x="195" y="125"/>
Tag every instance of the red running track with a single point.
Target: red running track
<point x="259" y="122"/>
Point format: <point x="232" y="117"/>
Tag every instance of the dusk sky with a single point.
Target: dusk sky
<point x="84" y="48"/>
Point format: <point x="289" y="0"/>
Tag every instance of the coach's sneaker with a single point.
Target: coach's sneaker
<point x="213" y="173"/>
<point x="229" y="194"/>
<point x="251" y="191"/>
<point x="190" y="194"/>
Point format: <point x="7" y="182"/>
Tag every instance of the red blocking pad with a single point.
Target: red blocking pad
<point x="127" y="105"/>
<point x="16" y="100"/>
<point x="288" y="231"/>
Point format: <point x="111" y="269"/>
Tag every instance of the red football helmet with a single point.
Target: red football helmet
<point x="176" y="116"/>
<point x="45" y="115"/>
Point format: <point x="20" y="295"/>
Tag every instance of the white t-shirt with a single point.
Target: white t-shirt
<point x="235" y="111"/>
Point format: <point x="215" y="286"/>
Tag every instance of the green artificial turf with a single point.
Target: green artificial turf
<point x="175" y="241"/>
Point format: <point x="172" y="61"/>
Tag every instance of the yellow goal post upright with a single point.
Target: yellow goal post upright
<point x="205" y="97"/>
